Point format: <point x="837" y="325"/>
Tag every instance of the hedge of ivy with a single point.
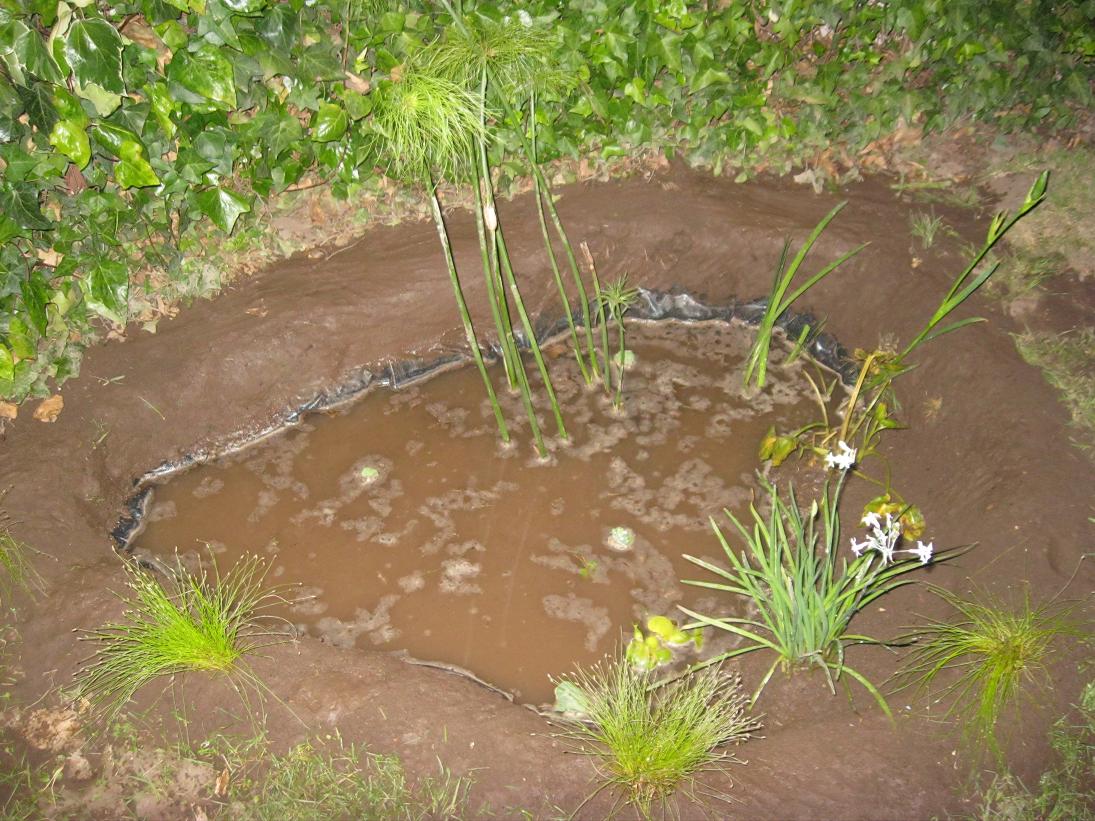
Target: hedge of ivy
<point x="125" y="126"/>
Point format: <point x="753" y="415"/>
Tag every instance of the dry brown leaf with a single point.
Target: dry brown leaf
<point x="220" y="789"/>
<point x="358" y="84"/>
<point x="8" y="410"/>
<point x="49" y="409"/>
<point x="49" y="257"/>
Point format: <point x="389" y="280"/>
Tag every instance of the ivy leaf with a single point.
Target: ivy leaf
<point x="278" y="129"/>
<point x="133" y="169"/>
<point x="37" y="100"/>
<point x="222" y="206"/>
<point x="246" y="7"/>
<point x="106" y="289"/>
<point x="206" y="74"/>
<point x="24" y="53"/>
<point x="71" y="140"/>
<point x="330" y="123"/>
<point x="7" y="369"/>
<point x="9" y="229"/>
<point x="35" y="291"/>
<point x="278" y="27"/>
<point x="93" y="49"/>
<point x="105" y="102"/>
<point x="20" y="339"/>
<point x="21" y="205"/>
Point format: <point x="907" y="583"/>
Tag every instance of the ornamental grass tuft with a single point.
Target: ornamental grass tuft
<point x="191" y="623"/>
<point x="648" y="741"/>
<point x="997" y="651"/>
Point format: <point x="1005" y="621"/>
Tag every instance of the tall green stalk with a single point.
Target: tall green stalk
<point x="462" y="307"/>
<point x="602" y="319"/>
<point x="587" y="374"/>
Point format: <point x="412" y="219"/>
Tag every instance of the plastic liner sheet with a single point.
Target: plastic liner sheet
<point x="651" y="305"/>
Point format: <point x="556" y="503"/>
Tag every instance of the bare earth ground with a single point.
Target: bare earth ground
<point x="986" y="457"/>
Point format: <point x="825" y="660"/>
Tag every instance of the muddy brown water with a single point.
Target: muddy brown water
<point x="408" y="526"/>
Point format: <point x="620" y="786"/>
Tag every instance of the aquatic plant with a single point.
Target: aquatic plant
<point x="191" y="623"/>
<point x="648" y="742"/>
<point x="429" y="125"/>
<point x="648" y="651"/>
<point x="756" y="364"/>
<point x="997" y="651"/>
<point x="618" y="298"/>
<point x="805" y="591"/>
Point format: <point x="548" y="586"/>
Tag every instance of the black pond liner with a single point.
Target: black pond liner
<point x="651" y="305"/>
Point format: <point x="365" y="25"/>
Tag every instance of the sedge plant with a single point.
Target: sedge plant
<point x="513" y="61"/>
<point x="16" y="570"/>
<point x="996" y="651"/>
<point x="756" y="364"/>
<point x="804" y="589"/>
<point x="648" y="741"/>
<point x="429" y="126"/>
<point x="618" y="298"/>
<point x="191" y="622"/>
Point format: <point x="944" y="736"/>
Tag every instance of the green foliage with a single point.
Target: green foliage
<point x="804" y="591"/>
<point x="16" y="570"/>
<point x="1066" y="361"/>
<point x="130" y="129"/>
<point x="997" y="651"/>
<point x="191" y="624"/>
<point x="779" y="301"/>
<point x="648" y="741"/>
<point x="320" y="781"/>
<point x="1063" y="792"/>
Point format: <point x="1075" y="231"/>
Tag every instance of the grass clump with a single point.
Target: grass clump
<point x="1066" y="359"/>
<point x="996" y="650"/>
<point x="16" y="571"/>
<point x="647" y="741"/>
<point x="191" y="623"/>
<point x="328" y="780"/>
<point x="1063" y="792"/>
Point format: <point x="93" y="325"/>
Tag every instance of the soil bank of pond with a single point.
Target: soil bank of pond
<point x="986" y="457"/>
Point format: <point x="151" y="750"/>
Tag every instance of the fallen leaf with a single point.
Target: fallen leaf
<point x="199" y="814"/>
<point x="358" y="84"/>
<point x="220" y="789"/>
<point x="49" y="257"/>
<point x="49" y="409"/>
<point x="8" y="410"/>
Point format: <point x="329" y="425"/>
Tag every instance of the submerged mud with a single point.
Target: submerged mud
<point x="407" y="525"/>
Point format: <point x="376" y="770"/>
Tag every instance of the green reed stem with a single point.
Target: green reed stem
<point x="602" y="320"/>
<point x="530" y="332"/>
<point x="586" y="373"/>
<point x="462" y="307"/>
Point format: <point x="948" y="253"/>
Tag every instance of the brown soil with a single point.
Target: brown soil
<point x="986" y="457"/>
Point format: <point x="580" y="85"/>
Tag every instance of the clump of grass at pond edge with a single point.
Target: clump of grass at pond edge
<point x="648" y="741"/>
<point x="323" y="780"/>
<point x="16" y="570"/>
<point x="1063" y="792"/>
<point x="997" y="651"/>
<point x="190" y="624"/>
<point x="805" y="592"/>
<point x="1066" y="359"/>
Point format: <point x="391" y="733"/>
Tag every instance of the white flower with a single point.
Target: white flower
<point x="924" y="551"/>
<point x="843" y="460"/>
<point x="858" y="547"/>
<point x="870" y="519"/>
<point x="524" y="17"/>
